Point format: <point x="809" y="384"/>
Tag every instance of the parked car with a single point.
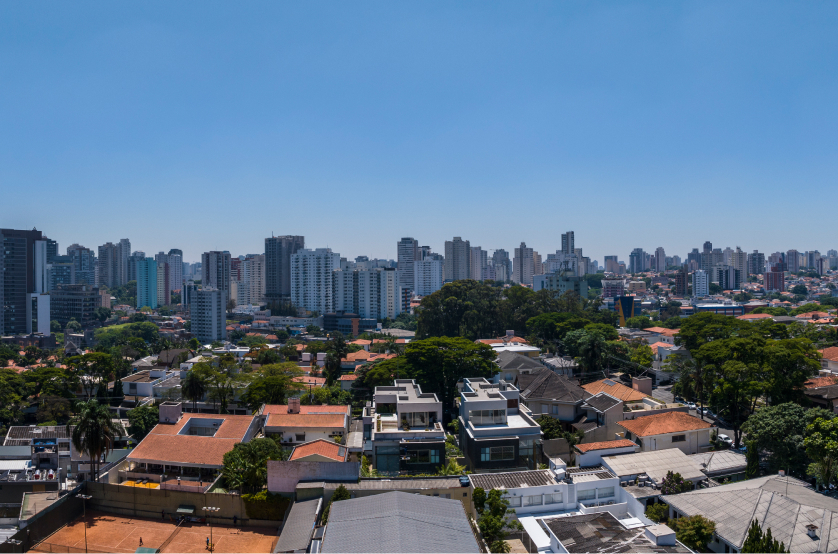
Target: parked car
<point x="691" y="405"/>
<point x="725" y="439"/>
<point x="743" y="449"/>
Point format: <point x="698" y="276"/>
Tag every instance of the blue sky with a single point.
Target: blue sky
<point x="210" y="125"/>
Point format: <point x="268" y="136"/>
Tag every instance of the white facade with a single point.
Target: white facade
<point x="427" y="276"/>
<point x="371" y="293"/>
<point x="701" y="283"/>
<point x="739" y="261"/>
<point x="660" y="259"/>
<point x="479" y="262"/>
<point x="215" y="272"/>
<point x="523" y="265"/>
<point x="250" y="289"/>
<point x="311" y="279"/>
<point x="407" y="253"/>
<point x="208" y="315"/>
<point x="457" y="260"/>
<point x="175" y="272"/>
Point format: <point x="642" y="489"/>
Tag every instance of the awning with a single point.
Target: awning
<point x="185" y="509"/>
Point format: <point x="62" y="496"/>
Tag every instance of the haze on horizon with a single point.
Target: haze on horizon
<point x="211" y="125"/>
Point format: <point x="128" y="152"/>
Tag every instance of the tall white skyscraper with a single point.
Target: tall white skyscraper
<point x="175" y="271"/>
<point x="478" y="263"/>
<point x="701" y="283"/>
<point x="457" y="260"/>
<point x="427" y="276"/>
<point x="208" y="314"/>
<point x="523" y="265"/>
<point x="660" y="259"/>
<point x="370" y="293"/>
<point x="311" y="279"/>
<point x="739" y="262"/>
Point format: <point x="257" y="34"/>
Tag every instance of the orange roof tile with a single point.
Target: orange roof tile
<point x="309" y="380"/>
<point x="660" y="424"/>
<point x="357" y="356"/>
<point x="621" y="443"/>
<point x="501" y="340"/>
<point x="821" y="382"/>
<point x="657" y="345"/>
<point x="361" y="342"/>
<point x="812" y="315"/>
<point x="233" y="427"/>
<point x="830" y="353"/>
<point x="321" y="447"/>
<point x="331" y="421"/>
<point x="662" y="331"/>
<point x="183" y="449"/>
<point x="325" y="409"/>
<point x="615" y="389"/>
<point x="754" y="316"/>
<point x="348" y="377"/>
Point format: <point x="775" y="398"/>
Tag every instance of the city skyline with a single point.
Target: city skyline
<point x="501" y="124"/>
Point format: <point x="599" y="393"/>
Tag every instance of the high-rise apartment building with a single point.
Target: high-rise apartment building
<point x="660" y="259"/>
<point x="311" y="279"/>
<point x="427" y="277"/>
<point x="208" y="314"/>
<point x="793" y="261"/>
<point x="739" y="262"/>
<point x="61" y="271"/>
<point x="84" y="264"/>
<point x="164" y="292"/>
<point x="612" y="288"/>
<point x="756" y="263"/>
<point x="812" y="257"/>
<point x="701" y="283"/>
<point x="146" y="283"/>
<point x="727" y="276"/>
<point x="523" y="265"/>
<point x="108" y="264"/>
<point x="774" y="279"/>
<point x="132" y="264"/>
<point x="370" y="293"/>
<point x="248" y="281"/>
<point x="77" y="302"/>
<point x="612" y="265"/>
<point x="568" y="243"/>
<point x="502" y="265"/>
<point x="407" y="252"/>
<point x="123" y="254"/>
<point x="457" y="260"/>
<point x="216" y="272"/>
<point x="278" y="252"/>
<point x="479" y="262"/>
<point x="175" y="270"/>
<point x="20" y="277"/>
<point x="637" y="261"/>
<point x="682" y="279"/>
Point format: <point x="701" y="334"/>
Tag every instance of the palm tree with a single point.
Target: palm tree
<point x="193" y="388"/>
<point x="94" y="432"/>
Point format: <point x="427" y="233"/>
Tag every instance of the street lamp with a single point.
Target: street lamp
<point x="84" y="499"/>
<point x="211" y="546"/>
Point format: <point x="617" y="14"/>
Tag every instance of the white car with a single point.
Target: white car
<point x="691" y="405"/>
<point x="725" y="439"/>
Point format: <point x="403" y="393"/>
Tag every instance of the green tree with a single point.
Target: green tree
<point x="118" y="393"/>
<point x="779" y="431"/>
<point x="193" y="387"/>
<point x="658" y="512"/>
<point x="271" y="385"/>
<point x="94" y="432"/>
<point x="73" y="326"/>
<point x="756" y="541"/>
<point x="142" y="420"/>
<point x="639" y="322"/>
<point x="642" y="355"/>
<point x="246" y="466"/>
<point x="821" y="443"/>
<point x="752" y="460"/>
<point x="799" y="289"/>
<point x="694" y="531"/>
<point x="673" y="483"/>
<point x="91" y="369"/>
<point x="493" y="522"/>
<point x="341" y="493"/>
<point x="55" y="326"/>
<point x="479" y="499"/>
<point x="267" y="356"/>
<point x="53" y="408"/>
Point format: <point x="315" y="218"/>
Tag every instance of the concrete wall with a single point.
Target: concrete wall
<point x="284" y="476"/>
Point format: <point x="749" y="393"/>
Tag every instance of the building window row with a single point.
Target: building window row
<point x="497" y="453"/>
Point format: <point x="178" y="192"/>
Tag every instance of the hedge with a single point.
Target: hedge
<point x="265" y="505"/>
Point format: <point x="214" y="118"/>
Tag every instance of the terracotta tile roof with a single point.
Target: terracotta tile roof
<point x="754" y="316"/>
<point x="331" y="421"/>
<point x="812" y="315"/>
<point x="830" y="353"/>
<point x="621" y="443"/>
<point x="301" y="347"/>
<point x="825" y="321"/>
<point x="283" y="409"/>
<point x="357" y="356"/>
<point x="233" y="427"/>
<point x="660" y="424"/>
<point x="821" y="382"/>
<point x="657" y="345"/>
<point x="322" y="447"/>
<point x="361" y="342"/>
<point x="183" y="449"/>
<point x="309" y="380"/>
<point x="662" y="331"/>
<point x="615" y="389"/>
<point x="348" y="377"/>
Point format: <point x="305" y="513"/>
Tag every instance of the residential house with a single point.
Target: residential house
<point x="496" y="432"/>
<point x="829" y="359"/>
<point x="319" y="450"/>
<point x="603" y="532"/>
<point x="546" y="393"/>
<point x="403" y="429"/>
<point x="298" y="424"/>
<point x="513" y="364"/>
<point x="591" y="453"/>
<point x="669" y="430"/>
<point x="802" y="519"/>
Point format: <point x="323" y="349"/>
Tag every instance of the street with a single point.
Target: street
<point x="664" y="394"/>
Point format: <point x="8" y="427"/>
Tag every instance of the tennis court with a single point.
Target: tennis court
<point x="112" y="533"/>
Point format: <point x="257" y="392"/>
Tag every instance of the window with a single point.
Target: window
<point x="545" y="408"/>
<point x="555" y="498"/>
<point x="586" y="495"/>
<point x="555" y="409"/>
<point x="679" y="438"/>
<point x="514" y="501"/>
<point x="497" y="453"/>
<point x="300" y="437"/>
<point x="423" y="457"/>
<point x="487" y="417"/>
<point x="525" y="447"/>
<point x="532" y="500"/>
<point x="605" y="492"/>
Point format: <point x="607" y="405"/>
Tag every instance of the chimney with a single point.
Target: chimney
<point x="812" y="531"/>
<point x="171" y="412"/>
<point x="642" y="384"/>
<point x="293" y="405"/>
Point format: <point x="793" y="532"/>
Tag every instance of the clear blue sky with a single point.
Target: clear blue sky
<point x="210" y="125"/>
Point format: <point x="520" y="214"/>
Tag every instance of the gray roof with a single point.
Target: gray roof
<point x="400" y="484"/>
<point x="512" y="480"/>
<point x="544" y="383"/>
<point x="656" y="464"/>
<point x="514" y="361"/>
<point x="784" y="505"/>
<point x="23" y="452"/>
<point x="22" y="435"/>
<point x="722" y="462"/>
<point x="602" y="402"/>
<point x="398" y="522"/>
<point x="296" y="533"/>
<point x="601" y="532"/>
